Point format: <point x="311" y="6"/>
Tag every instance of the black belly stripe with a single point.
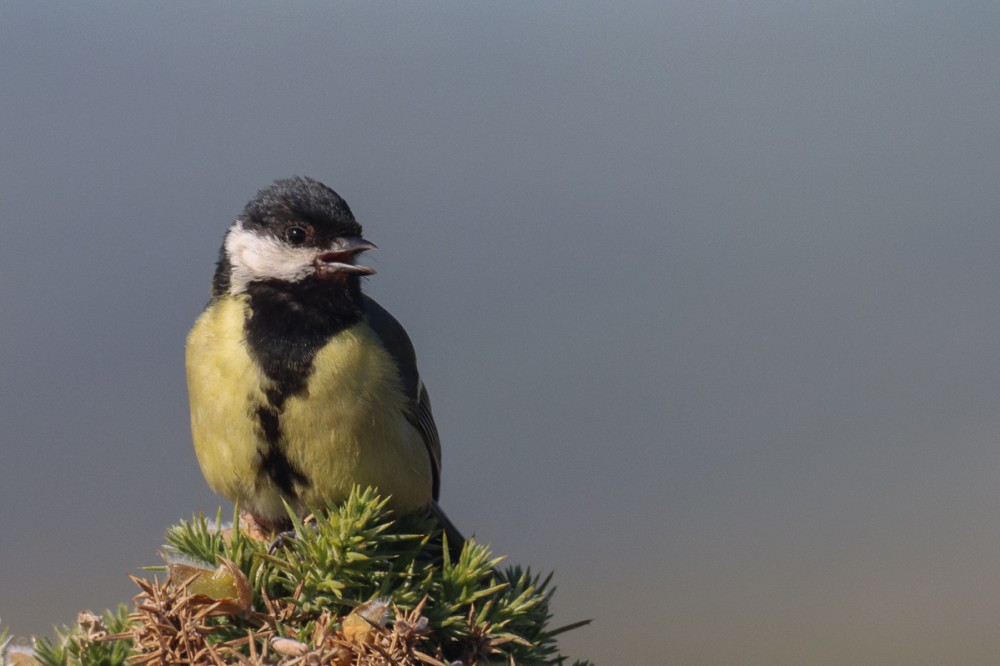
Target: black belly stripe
<point x="288" y="324"/>
<point x="274" y="464"/>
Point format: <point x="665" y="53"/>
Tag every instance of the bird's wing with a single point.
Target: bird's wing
<point x="397" y="343"/>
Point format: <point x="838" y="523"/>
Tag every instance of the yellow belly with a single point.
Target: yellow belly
<point x="348" y="428"/>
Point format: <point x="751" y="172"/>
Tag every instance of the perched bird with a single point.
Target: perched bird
<point x="300" y="385"/>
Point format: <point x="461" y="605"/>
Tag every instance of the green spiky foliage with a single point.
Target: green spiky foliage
<point x="81" y="643"/>
<point x="357" y="553"/>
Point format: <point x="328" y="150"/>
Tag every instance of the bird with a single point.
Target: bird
<point x="301" y="386"/>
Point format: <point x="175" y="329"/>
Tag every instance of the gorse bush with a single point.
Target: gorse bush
<point x="354" y="586"/>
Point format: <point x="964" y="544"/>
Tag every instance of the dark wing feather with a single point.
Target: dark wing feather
<point x="397" y="343"/>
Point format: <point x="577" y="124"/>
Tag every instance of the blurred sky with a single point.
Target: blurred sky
<point x="705" y="293"/>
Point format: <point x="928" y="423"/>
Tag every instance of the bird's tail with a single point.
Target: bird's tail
<point x="452" y="535"/>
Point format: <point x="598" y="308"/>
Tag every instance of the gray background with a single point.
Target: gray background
<point x="705" y="294"/>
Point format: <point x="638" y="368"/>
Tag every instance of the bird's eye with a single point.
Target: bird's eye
<point x="296" y="235"/>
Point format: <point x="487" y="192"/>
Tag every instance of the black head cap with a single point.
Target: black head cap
<point x="300" y="200"/>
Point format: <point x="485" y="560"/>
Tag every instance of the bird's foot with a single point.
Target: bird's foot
<point x="281" y="539"/>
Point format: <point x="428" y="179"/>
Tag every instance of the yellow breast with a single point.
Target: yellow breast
<point x="348" y="427"/>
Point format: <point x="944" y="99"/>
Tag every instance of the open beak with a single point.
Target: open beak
<point x="340" y="257"/>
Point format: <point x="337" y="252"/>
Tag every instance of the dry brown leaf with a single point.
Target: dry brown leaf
<point x="362" y="624"/>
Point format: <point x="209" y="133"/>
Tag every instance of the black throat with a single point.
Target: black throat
<point x="290" y="322"/>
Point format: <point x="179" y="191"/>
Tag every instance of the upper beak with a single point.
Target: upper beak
<point x="340" y="257"/>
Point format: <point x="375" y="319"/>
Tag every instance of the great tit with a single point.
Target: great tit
<point x="300" y="385"/>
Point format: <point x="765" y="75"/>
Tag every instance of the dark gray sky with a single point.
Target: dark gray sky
<point x="705" y="294"/>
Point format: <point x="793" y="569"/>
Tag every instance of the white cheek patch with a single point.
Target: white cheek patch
<point x="255" y="256"/>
